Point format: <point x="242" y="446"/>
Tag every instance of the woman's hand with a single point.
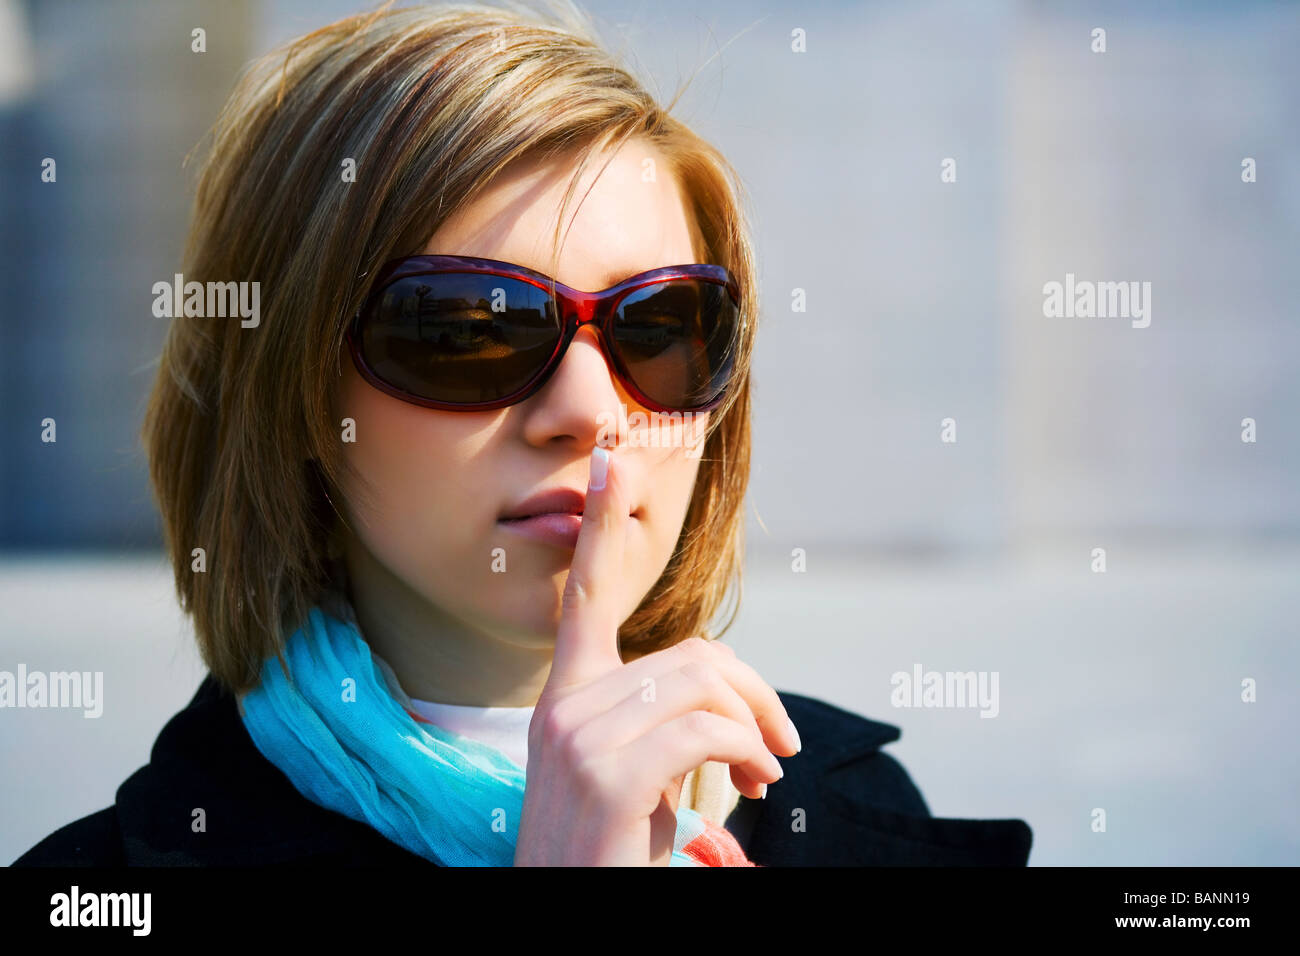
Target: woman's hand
<point x="610" y="743"/>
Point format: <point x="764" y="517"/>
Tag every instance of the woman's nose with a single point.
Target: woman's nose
<point x="582" y="394"/>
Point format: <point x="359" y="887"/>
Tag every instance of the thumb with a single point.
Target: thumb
<point x="663" y="823"/>
<point x="673" y="795"/>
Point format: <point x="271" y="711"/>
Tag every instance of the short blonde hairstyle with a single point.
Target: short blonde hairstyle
<point x="430" y="103"/>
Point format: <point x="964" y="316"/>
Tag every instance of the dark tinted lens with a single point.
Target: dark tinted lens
<point x="677" y="339"/>
<point x="459" y="337"/>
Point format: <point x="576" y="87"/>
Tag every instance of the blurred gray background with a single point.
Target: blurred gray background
<point x="1119" y="690"/>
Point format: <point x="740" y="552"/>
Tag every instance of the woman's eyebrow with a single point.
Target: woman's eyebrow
<point x="615" y="276"/>
<point x="618" y="275"/>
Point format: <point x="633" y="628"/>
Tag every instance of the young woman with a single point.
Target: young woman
<point x="454" y="515"/>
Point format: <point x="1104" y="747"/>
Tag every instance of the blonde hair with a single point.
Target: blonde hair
<point x="430" y="103"/>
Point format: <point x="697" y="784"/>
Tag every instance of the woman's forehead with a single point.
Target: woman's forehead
<point x="632" y="220"/>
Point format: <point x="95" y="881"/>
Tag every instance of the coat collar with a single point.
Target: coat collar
<point x="844" y="802"/>
<point x="209" y="797"/>
<point x="854" y="736"/>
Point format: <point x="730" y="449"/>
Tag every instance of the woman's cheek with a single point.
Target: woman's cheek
<point x="662" y="518"/>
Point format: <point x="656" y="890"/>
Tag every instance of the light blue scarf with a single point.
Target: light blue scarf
<point x="341" y="736"/>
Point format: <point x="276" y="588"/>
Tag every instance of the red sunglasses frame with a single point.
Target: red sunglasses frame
<point x="577" y="308"/>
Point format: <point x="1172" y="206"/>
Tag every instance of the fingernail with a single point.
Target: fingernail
<point x="599" y="468"/>
<point x="798" y="744"/>
<point x="762" y="791"/>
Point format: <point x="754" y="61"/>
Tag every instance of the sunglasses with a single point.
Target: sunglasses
<point x="466" y="334"/>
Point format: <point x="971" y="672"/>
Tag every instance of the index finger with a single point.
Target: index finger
<point x="586" y="642"/>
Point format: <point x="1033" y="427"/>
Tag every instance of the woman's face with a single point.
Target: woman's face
<point x="439" y="482"/>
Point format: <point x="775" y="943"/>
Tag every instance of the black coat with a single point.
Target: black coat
<point x="859" y="806"/>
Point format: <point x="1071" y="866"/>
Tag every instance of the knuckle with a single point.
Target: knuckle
<point x="605" y="520"/>
<point x="698" y="723"/>
<point x="699" y="672"/>
<point x="591" y="777"/>
<point x="572" y="748"/>
<point x="693" y="648"/>
<point x="577" y="592"/>
<point x="554" y="725"/>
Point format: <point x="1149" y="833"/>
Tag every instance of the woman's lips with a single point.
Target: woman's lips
<point x="559" y="530"/>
